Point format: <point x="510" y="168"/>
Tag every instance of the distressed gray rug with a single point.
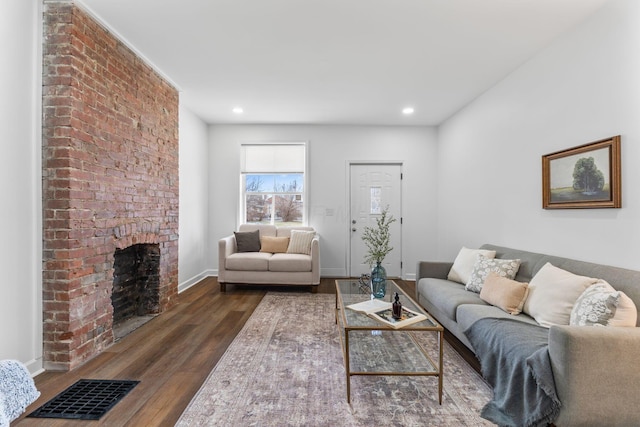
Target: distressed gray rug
<point x="285" y="368"/>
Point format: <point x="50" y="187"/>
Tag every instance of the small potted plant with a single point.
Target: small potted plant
<point x="377" y="240"/>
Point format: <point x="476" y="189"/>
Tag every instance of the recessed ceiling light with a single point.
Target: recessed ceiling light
<point x="407" y="110"/>
<point x="238" y="110"/>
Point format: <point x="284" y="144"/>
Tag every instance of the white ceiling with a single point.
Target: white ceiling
<point x="336" y="61"/>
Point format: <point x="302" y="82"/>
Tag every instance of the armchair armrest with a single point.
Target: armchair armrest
<point x="596" y="375"/>
<point x="226" y="247"/>
<point x="437" y="270"/>
<point x="315" y="259"/>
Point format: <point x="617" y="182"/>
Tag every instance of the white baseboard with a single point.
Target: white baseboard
<point x="333" y="272"/>
<point x="325" y="272"/>
<point x="34" y="366"/>
<point x="341" y="272"/>
<point x="192" y="281"/>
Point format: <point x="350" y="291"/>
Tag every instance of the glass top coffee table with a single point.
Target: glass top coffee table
<point x="371" y="347"/>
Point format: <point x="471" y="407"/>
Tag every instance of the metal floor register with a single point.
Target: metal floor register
<point x="85" y="400"/>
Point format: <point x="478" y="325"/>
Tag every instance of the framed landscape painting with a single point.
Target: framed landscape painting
<point x="587" y="176"/>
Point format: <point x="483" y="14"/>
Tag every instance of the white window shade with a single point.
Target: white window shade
<point x="273" y="158"/>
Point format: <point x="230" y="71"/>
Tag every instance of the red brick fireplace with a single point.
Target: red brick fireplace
<point x="110" y="179"/>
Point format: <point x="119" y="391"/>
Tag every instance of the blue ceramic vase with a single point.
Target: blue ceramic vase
<point x="378" y="281"/>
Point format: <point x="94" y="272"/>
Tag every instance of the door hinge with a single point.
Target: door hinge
<point x="400" y="220"/>
<point x="400" y="264"/>
<point x="401" y="175"/>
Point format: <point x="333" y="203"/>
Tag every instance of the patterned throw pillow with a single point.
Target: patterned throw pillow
<point x="503" y="267"/>
<point x="300" y="242"/>
<point x="596" y="306"/>
<point x="626" y="313"/>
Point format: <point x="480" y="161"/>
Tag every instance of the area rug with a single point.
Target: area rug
<point x="285" y="368"/>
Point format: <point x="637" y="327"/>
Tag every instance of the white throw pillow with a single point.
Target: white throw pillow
<point x="300" y="242"/>
<point x="464" y="262"/>
<point x="552" y="294"/>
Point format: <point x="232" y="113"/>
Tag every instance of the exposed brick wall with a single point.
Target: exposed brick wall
<point x="110" y="178"/>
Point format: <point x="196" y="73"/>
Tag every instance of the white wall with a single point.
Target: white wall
<point x="330" y="150"/>
<point x="20" y="183"/>
<point x="193" y="249"/>
<point x="582" y="88"/>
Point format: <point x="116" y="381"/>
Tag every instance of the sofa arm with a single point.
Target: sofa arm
<point x="436" y="270"/>
<point x="315" y="260"/>
<point x="226" y="247"/>
<point x="596" y="375"/>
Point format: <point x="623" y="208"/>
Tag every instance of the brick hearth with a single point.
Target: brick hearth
<point x="110" y="178"/>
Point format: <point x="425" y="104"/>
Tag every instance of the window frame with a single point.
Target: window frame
<point x="242" y="214"/>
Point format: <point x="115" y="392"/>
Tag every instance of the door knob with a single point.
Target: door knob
<point x="353" y="221"/>
<point x="353" y="229"/>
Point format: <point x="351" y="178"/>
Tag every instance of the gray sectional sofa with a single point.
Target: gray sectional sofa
<point x="596" y="369"/>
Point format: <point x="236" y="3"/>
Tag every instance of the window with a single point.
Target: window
<point x="273" y="183"/>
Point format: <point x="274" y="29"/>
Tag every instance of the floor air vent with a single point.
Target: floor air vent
<point x="85" y="400"/>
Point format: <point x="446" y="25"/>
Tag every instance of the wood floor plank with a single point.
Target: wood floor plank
<point x="171" y="355"/>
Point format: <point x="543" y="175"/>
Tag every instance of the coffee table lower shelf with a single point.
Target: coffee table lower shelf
<point x="377" y="350"/>
<point x="356" y="364"/>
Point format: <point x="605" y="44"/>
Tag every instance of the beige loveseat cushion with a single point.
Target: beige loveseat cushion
<point x="290" y="262"/>
<point x="248" y="261"/>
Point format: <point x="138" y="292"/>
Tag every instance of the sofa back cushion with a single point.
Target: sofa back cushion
<point x="264" y="229"/>
<point x="286" y="231"/>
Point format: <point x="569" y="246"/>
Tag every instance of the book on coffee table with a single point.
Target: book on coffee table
<point x="382" y="311"/>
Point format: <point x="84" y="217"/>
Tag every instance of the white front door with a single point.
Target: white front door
<point x="373" y="187"/>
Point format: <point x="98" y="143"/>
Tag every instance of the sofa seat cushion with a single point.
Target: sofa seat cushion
<point x="447" y="295"/>
<point x="290" y="262"/>
<point x="248" y="261"/>
<point x="467" y="314"/>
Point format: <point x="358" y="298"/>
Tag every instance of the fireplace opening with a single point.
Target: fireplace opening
<point x="136" y="284"/>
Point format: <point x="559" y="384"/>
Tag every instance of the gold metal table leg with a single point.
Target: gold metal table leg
<point x="346" y="363"/>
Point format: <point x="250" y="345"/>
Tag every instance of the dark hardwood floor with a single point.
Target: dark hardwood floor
<point x="171" y="355"/>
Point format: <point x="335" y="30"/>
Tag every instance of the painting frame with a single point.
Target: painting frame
<point x="587" y="186"/>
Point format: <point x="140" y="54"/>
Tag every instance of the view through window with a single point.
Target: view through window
<point x="273" y="189"/>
